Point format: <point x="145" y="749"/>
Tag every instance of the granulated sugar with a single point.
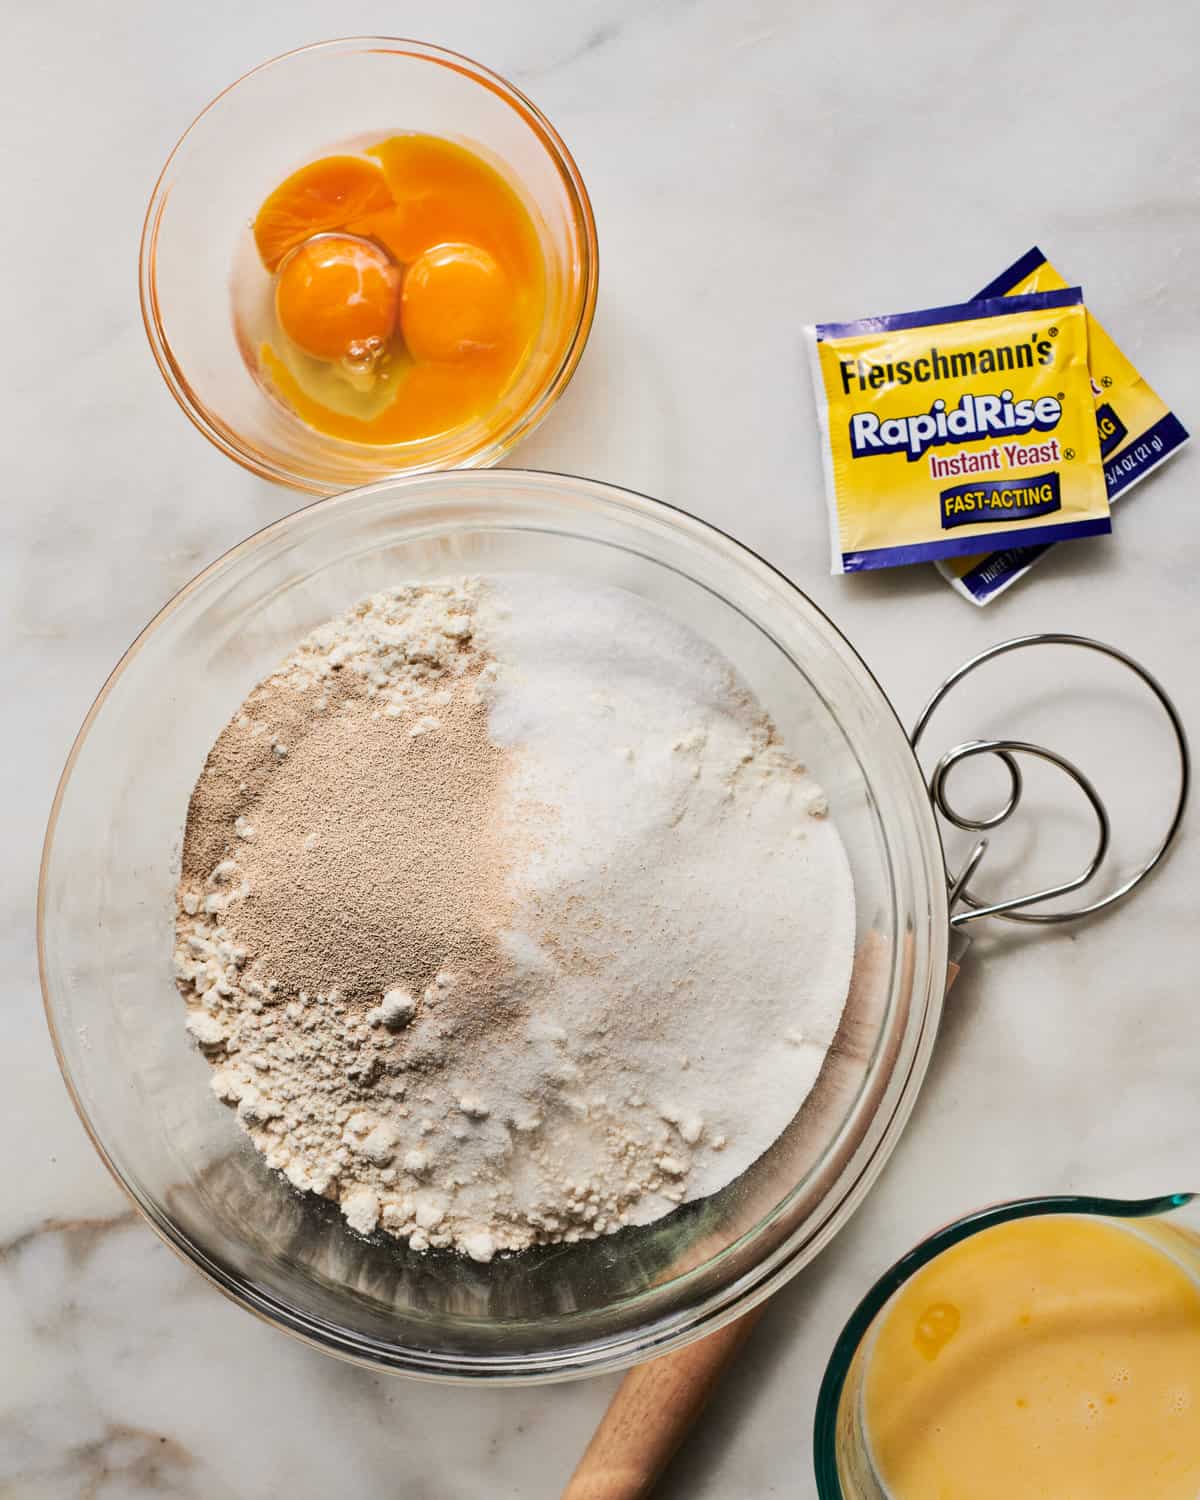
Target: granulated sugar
<point x="505" y="918"/>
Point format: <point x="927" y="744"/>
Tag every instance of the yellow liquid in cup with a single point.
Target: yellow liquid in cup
<point x="1052" y="1358"/>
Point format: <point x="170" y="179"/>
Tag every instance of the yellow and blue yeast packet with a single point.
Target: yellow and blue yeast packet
<point x="956" y="430"/>
<point x="1137" y="431"/>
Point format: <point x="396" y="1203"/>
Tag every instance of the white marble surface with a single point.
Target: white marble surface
<point x="753" y="167"/>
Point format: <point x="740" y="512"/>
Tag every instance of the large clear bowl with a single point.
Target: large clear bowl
<point x="288" y="112"/>
<point x="106" y="908"/>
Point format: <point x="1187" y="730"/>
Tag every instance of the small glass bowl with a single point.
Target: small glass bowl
<point x="272" y="121"/>
<point x="106" y="910"/>
<point x="841" y="1451"/>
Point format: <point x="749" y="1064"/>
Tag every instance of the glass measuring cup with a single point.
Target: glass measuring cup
<point x="842" y="1457"/>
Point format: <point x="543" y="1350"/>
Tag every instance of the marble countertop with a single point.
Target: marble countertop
<point x="753" y="167"/>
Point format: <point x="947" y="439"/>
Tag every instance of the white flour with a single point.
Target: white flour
<point x="671" y="951"/>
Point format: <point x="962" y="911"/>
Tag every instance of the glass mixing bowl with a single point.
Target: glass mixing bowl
<point x="290" y="111"/>
<point x="106" y="909"/>
<point x="841" y="1451"/>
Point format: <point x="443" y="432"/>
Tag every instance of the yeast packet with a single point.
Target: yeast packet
<point x="1137" y="431"/>
<point x="958" y="430"/>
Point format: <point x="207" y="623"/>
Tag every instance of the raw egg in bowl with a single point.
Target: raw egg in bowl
<point x="366" y="257"/>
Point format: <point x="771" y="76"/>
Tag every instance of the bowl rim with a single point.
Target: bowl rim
<point x="858" y="1325"/>
<point x="225" y="437"/>
<point x="592" y="1355"/>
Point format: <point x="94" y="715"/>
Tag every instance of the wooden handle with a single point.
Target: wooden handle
<point x="649" y="1416"/>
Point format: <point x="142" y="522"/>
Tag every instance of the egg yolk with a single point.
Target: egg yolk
<point x="456" y="302"/>
<point x="326" y="194"/>
<point x="336" y="297"/>
<point x="410" y="291"/>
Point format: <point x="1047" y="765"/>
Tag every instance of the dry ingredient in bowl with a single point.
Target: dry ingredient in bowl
<point x="505" y="918"/>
